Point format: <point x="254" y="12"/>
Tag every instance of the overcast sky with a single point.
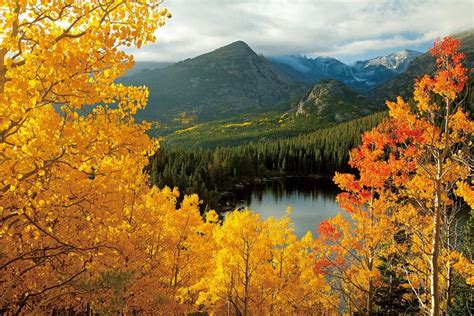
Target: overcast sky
<point x="349" y="30"/>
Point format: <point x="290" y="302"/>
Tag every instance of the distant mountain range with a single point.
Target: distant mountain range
<point x="233" y="80"/>
<point x="361" y="76"/>
<point x="398" y="62"/>
<point x="402" y="84"/>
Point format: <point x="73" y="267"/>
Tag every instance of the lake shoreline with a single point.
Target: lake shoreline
<point x="312" y="198"/>
<point x="227" y="196"/>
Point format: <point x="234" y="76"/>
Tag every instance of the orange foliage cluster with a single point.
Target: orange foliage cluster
<point x="410" y="169"/>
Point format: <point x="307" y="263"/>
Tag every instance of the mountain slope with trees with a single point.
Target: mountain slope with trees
<point x="326" y="104"/>
<point x="229" y="81"/>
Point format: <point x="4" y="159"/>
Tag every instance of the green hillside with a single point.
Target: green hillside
<point x="229" y="81"/>
<point x="326" y="104"/>
<point x="212" y="172"/>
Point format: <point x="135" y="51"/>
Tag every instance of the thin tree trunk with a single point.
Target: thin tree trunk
<point x="370" y="260"/>
<point x="369" y="297"/>
<point x="229" y="294"/>
<point x="449" y="288"/>
<point x="246" y="289"/>
<point x="449" y="272"/>
<point x="434" y="277"/>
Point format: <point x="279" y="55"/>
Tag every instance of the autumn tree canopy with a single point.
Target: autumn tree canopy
<point x="71" y="154"/>
<point x="81" y="226"/>
<point x="414" y="178"/>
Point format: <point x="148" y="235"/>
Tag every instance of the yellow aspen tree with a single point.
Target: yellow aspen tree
<point x="156" y="279"/>
<point x="439" y="130"/>
<point x="290" y="283"/>
<point x="262" y="263"/>
<point x="245" y="243"/>
<point x="70" y="172"/>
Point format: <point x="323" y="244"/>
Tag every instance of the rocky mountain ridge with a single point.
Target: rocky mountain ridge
<point x="361" y="76"/>
<point x="334" y="101"/>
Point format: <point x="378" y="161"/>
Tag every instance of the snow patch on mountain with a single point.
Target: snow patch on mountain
<point x="398" y="61"/>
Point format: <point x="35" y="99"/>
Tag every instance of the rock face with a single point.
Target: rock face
<point x="228" y="81"/>
<point x="334" y="101"/>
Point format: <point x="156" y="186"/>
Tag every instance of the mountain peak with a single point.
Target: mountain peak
<point x="235" y="48"/>
<point x="229" y="81"/>
<point x="238" y="43"/>
<point x="404" y="53"/>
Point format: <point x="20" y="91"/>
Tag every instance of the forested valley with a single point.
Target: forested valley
<point x="213" y="173"/>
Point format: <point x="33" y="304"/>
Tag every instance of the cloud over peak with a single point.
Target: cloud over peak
<point x="349" y="30"/>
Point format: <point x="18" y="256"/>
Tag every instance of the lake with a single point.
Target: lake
<point x="311" y="199"/>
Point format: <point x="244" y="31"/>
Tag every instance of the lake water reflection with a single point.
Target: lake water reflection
<point x="311" y="199"/>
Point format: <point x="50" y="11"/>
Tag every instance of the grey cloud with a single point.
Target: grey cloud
<point x="344" y="29"/>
